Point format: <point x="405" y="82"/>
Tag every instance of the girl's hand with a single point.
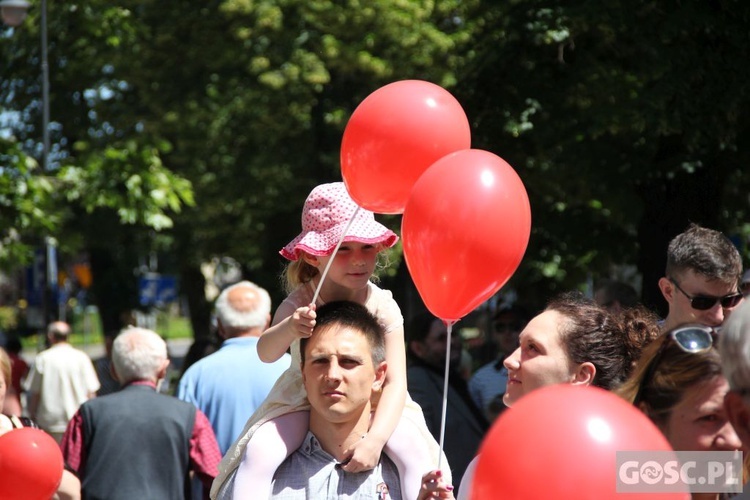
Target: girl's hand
<point x="434" y="487"/>
<point x="303" y="321"/>
<point x="363" y="455"/>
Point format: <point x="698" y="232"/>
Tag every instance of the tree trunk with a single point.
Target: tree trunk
<point x="192" y="284"/>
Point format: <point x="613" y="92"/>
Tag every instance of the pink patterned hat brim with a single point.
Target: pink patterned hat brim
<point x="325" y="216"/>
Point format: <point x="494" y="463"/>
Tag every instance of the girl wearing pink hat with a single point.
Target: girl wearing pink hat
<point x="279" y="426"/>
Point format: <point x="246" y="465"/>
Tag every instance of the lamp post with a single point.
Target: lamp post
<point x="13" y="13"/>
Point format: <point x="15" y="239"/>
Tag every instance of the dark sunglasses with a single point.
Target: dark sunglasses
<point x="703" y="302"/>
<point x="691" y="338"/>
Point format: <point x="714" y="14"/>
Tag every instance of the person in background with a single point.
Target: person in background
<point x="70" y="486"/>
<point x="19" y="369"/>
<point x="615" y="296"/>
<point x="60" y="380"/>
<point x="465" y="425"/>
<point x="230" y="384"/>
<point x="138" y="443"/>
<point x="573" y="341"/>
<point x="745" y="284"/>
<point x="487" y="385"/>
<point x="734" y="349"/>
<point x="678" y="383"/>
<point x="103" y="367"/>
<point x="701" y="278"/>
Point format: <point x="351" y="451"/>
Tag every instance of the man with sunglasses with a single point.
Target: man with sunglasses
<point x="702" y="277"/>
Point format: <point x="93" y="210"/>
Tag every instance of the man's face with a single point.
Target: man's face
<point x="339" y="374"/>
<point x="433" y="348"/>
<point x="695" y="285"/>
<point x="506" y="328"/>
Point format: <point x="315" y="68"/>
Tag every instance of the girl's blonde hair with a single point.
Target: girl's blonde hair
<point x="5" y="367"/>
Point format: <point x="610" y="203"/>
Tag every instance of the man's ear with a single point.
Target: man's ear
<point x="380" y="372"/>
<point x="667" y="289"/>
<point x="162" y="373"/>
<point x="113" y="372"/>
<point x="584" y="374"/>
<point x="220" y="330"/>
<point x="738" y="415"/>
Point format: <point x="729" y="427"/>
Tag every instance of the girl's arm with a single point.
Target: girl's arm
<point x="366" y="453"/>
<point x="289" y="324"/>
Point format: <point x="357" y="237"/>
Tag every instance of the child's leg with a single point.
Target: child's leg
<point x="412" y="457"/>
<point x="271" y="443"/>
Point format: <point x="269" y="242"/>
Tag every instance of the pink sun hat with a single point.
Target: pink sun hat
<point x="327" y="211"/>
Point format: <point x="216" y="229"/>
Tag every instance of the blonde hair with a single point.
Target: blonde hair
<point x="5" y="366"/>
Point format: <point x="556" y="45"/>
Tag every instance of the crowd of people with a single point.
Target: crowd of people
<point x="335" y="395"/>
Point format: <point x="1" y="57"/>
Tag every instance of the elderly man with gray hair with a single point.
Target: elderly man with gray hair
<point x="137" y="443"/>
<point x="230" y="384"/>
<point x="734" y="347"/>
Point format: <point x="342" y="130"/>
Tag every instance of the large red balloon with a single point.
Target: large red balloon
<point x="465" y="230"/>
<point x="393" y="136"/>
<point x="560" y="442"/>
<point x="31" y="465"/>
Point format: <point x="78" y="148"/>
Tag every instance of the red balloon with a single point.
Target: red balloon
<point x="31" y="465"/>
<point x="393" y="136"/>
<point x="560" y="442"/>
<point x="465" y="230"/>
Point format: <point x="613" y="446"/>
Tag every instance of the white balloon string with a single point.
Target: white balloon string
<point x="333" y="256"/>
<point x="449" y="324"/>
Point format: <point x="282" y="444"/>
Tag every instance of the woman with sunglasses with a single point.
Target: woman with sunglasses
<point x="573" y="341"/>
<point x="679" y="385"/>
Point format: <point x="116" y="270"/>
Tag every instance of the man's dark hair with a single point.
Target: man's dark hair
<point x="351" y="315"/>
<point x="706" y="252"/>
<point x="617" y="291"/>
<point x="419" y="329"/>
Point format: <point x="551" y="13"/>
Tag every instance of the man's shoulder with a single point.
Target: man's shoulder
<point x="490" y="370"/>
<point x="419" y="372"/>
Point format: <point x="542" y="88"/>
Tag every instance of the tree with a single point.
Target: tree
<point x="245" y="100"/>
<point x="626" y="121"/>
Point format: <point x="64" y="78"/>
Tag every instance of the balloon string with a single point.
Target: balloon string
<point x="449" y="324"/>
<point x="333" y="256"/>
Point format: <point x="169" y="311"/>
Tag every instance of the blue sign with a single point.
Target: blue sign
<point x="157" y="290"/>
<point x="35" y="279"/>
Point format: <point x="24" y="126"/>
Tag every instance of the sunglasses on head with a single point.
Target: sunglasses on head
<point x="693" y="339"/>
<point x="705" y="302"/>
